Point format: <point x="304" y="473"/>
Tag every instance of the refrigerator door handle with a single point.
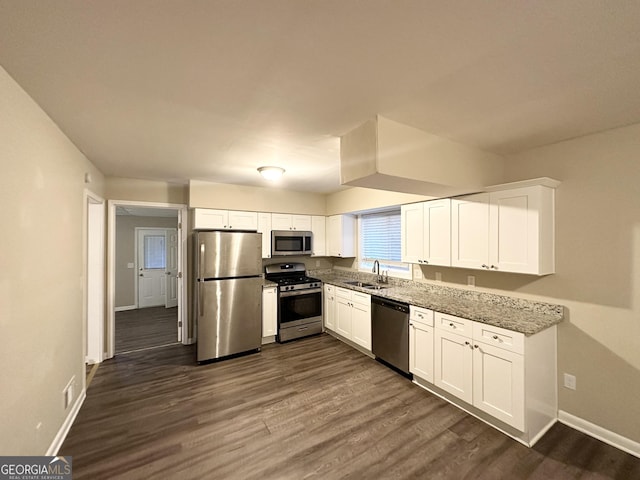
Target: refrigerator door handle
<point x="201" y="272"/>
<point x="200" y="306"/>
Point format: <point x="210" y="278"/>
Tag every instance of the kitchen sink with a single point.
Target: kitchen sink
<point x="369" y="286"/>
<point x="361" y="284"/>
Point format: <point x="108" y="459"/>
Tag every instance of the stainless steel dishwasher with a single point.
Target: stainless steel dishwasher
<point x="390" y="333"/>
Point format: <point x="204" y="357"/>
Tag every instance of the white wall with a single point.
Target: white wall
<point x="42" y="276"/>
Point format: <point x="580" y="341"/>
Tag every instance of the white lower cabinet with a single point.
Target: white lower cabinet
<point x="329" y="307"/>
<point x="421" y="343"/>
<point x="353" y="316"/>
<point x="498" y="383"/>
<point x="269" y="313"/>
<point x="500" y="372"/>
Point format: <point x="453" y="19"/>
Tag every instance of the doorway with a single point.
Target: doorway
<point x="146" y="291"/>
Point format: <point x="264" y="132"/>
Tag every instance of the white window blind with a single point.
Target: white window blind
<point x="381" y="239"/>
<point x="380" y="236"/>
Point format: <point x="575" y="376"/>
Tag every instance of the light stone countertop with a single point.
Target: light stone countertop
<point x="520" y="315"/>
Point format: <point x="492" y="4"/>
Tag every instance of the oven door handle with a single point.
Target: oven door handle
<point x="295" y="293"/>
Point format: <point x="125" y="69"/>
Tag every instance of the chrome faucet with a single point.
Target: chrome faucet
<point x="376" y="263"/>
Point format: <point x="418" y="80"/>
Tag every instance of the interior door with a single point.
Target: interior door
<point x="152" y="262"/>
<point x="171" y="269"/>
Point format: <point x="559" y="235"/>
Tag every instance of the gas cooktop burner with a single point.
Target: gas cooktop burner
<point x="291" y="276"/>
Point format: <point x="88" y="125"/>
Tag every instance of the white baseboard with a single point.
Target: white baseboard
<point x="125" y="308"/>
<point x="66" y="425"/>
<point x="607" y="436"/>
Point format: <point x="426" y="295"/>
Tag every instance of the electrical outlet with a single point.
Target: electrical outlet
<point x="471" y="280"/>
<point x="67" y="393"/>
<point x="417" y="273"/>
<point x="570" y="381"/>
<point x="317" y="263"/>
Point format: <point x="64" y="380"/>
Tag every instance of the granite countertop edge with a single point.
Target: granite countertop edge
<point x="488" y="310"/>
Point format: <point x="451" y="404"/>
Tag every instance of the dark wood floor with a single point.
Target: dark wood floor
<point x="146" y="328"/>
<point x="313" y="408"/>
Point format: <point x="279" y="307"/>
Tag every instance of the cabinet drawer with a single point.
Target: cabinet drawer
<point x="498" y="337"/>
<point x="361" y="298"/>
<point x="343" y="293"/>
<point x="421" y="315"/>
<point x="451" y="323"/>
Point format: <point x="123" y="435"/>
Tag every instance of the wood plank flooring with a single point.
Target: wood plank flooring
<point x="145" y="328"/>
<point x="310" y="409"/>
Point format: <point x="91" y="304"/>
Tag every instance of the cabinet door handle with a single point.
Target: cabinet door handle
<point x="495" y="337"/>
<point x="484" y="265"/>
<point x="476" y="346"/>
<point x="425" y="261"/>
<point x="493" y="267"/>
<point x="467" y="343"/>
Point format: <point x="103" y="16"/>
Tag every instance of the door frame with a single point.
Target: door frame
<point x="94" y="276"/>
<point x="111" y="266"/>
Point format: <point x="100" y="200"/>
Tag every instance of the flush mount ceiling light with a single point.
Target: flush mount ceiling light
<point x="271" y="173"/>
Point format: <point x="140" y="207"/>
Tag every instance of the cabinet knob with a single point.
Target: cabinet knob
<point x="425" y="261"/>
<point x="485" y="265"/>
<point x="419" y="261"/>
<point x="452" y="325"/>
<point x="476" y="346"/>
<point x="493" y="267"/>
<point x="467" y="343"/>
<point x="420" y="315"/>
<point x="495" y="337"/>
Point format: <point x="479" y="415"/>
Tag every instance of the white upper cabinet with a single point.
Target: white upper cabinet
<point x="341" y="239"/>
<point x="426" y="232"/>
<point x="243" y="220"/>
<point x="224" y="219"/>
<point x="470" y="231"/>
<point x="319" y="230"/>
<point x="285" y="221"/>
<point x="264" y="227"/>
<point x="506" y="230"/>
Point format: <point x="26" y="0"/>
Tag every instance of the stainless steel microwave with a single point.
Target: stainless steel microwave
<point x="290" y="242"/>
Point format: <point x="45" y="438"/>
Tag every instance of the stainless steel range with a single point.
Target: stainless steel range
<point x="299" y="301"/>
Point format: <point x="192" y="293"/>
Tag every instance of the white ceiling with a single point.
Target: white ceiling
<point x="211" y="90"/>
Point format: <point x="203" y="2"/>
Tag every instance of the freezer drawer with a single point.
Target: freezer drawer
<point x="229" y="316"/>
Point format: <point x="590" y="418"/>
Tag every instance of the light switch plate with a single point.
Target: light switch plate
<point x="570" y="381"/>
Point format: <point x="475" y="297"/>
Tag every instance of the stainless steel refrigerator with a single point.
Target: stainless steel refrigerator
<point x="227" y="293"/>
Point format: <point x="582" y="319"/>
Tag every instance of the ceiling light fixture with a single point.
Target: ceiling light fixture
<point x="271" y="173"/>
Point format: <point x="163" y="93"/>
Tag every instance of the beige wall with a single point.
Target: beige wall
<point x="125" y="253"/>
<point x="597" y="272"/>
<point x="131" y="189"/>
<point x="239" y="197"/>
<point x="42" y="273"/>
